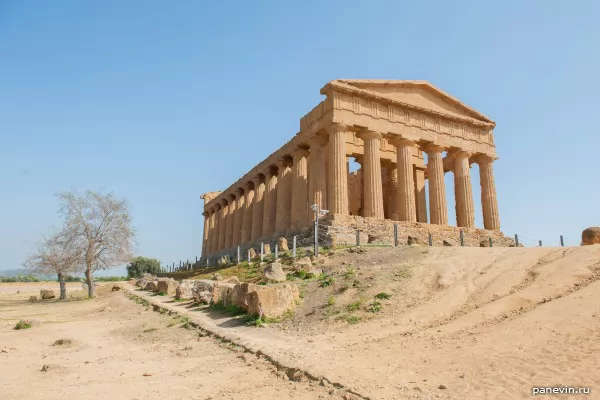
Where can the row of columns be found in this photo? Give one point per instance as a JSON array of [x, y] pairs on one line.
[[278, 200]]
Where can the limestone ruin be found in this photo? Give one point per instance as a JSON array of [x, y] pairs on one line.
[[386, 126]]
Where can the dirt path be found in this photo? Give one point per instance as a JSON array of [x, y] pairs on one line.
[[115, 343]]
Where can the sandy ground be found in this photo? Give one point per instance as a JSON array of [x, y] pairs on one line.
[[33, 288], [115, 343], [462, 323]]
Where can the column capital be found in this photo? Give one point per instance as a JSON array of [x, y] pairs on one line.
[[317, 140], [240, 191], [400, 141], [271, 171], [433, 148], [482, 159], [460, 154], [233, 195], [300, 152], [335, 127], [283, 163], [366, 134], [224, 202], [258, 179]]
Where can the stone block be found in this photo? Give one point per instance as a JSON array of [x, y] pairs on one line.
[[47, 294], [253, 254], [221, 293], [185, 289], [590, 236], [167, 285], [202, 290], [274, 273], [282, 244], [272, 301], [239, 293], [151, 286]]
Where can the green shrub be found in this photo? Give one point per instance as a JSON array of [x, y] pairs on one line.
[[140, 265], [22, 324], [326, 281], [354, 306], [383, 296], [331, 301], [374, 307]]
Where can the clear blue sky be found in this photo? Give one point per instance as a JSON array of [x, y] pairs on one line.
[[160, 101]]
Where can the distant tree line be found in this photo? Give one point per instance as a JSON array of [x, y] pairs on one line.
[[20, 278]]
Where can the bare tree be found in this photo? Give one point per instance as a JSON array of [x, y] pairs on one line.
[[58, 253], [101, 226]]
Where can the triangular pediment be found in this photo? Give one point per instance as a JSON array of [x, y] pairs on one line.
[[419, 94]]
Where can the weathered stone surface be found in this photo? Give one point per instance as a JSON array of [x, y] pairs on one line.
[[200, 290], [375, 239], [253, 254], [47, 294], [413, 240], [33, 299], [590, 236], [274, 273], [203, 297], [303, 263], [232, 279], [217, 277], [221, 293], [267, 248], [151, 286], [282, 244], [484, 243], [185, 289], [238, 295], [144, 279], [274, 301], [167, 285], [447, 243]]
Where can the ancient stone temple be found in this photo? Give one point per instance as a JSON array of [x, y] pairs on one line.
[[387, 127]]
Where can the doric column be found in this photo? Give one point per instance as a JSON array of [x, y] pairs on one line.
[[258, 207], [230, 220], [205, 233], [438, 209], [283, 209], [270, 203], [373, 189], [465, 214], [360, 161], [317, 174], [212, 232], [239, 218], [338, 177], [489, 203], [246, 235], [222, 224], [406, 186], [420, 198], [392, 171], [300, 203]]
